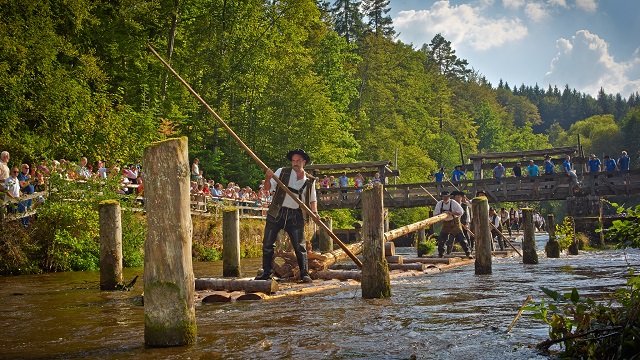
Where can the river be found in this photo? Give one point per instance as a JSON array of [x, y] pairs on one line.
[[453, 314]]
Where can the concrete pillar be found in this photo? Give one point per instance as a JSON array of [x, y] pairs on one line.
[[529, 254], [231, 242], [552, 248], [169, 286], [325, 242], [375, 270], [110, 245], [482, 230]]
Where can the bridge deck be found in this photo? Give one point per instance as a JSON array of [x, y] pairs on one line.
[[523, 189]]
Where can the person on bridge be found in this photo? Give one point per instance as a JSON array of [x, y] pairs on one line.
[[517, 170], [285, 213], [548, 165], [533, 169], [568, 169], [624, 161], [453, 227], [439, 176], [498, 172], [344, 184], [458, 174], [594, 164]]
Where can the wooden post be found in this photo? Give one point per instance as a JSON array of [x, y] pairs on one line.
[[480, 210], [231, 242], [169, 286], [552, 248], [422, 236], [110, 245], [375, 271], [529, 254], [574, 248], [325, 243], [386, 220], [477, 169]]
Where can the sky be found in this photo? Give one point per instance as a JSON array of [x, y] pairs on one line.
[[586, 44]]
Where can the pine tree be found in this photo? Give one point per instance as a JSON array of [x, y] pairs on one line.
[[379, 22], [348, 19]]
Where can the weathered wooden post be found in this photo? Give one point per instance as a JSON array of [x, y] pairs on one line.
[[480, 209], [422, 236], [169, 314], [587, 216], [110, 245], [375, 271], [386, 220], [231, 242], [574, 248], [529, 254], [325, 242], [552, 247]]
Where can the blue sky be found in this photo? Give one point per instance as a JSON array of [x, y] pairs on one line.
[[587, 44]]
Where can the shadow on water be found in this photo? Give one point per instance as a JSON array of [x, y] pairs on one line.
[[454, 314]]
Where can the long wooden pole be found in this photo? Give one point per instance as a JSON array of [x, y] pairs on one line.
[[257, 159], [396, 233]]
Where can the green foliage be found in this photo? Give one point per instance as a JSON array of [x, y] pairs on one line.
[[427, 246], [341, 218], [589, 329], [625, 232], [205, 253], [565, 233], [134, 234]]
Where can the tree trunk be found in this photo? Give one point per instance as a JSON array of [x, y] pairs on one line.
[[267, 287]]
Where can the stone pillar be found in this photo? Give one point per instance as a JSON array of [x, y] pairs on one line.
[[110, 245], [422, 236], [529, 254], [169, 286], [482, 230], [375, 270], [325, 242], [552, 248], [231, 242], [587, 214]]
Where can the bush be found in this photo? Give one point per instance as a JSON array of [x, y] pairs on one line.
[[565, 235], [427, 246]]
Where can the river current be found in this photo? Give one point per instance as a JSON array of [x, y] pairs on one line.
[[450, 315]]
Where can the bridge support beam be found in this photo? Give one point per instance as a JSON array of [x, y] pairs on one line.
[[587, 214], [375, 271]]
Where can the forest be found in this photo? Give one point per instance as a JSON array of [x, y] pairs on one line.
[[331, 77]]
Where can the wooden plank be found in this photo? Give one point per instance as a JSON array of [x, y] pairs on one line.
[[525, 154]]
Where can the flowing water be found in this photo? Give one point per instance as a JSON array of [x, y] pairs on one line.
[[453, 314]]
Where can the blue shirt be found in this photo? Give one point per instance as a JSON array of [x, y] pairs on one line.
[[498, 171], [594, 165], [623, 162], [457, 175], [610, 165], [533, 170], [567, 165], [548, 167], [439, 176], [344, 181], [29, 189]]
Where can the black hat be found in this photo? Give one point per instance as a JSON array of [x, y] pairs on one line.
[[444, 193], [300, 152], [481, 192], [457, 192]]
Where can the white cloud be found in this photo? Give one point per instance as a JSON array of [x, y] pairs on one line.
[[461, 24], [514, 4], [536, 12], [559, 3], [587, 5], [584, 63]]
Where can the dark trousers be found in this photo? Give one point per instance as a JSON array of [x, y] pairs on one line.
[[443, 239], [292, 222]]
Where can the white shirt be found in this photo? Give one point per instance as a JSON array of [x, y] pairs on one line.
[[451, 205], [294, 183], [496, 221], [13, 186]]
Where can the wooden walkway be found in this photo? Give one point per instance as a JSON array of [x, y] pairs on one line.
[[512, 189]]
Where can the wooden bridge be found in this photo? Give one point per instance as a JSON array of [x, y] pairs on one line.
[[512, 189]]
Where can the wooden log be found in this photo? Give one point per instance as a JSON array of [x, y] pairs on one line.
[[248, 285], [480, 210], [396, 233], [325, 243], [327, 259], [341, 275], [434, 260], [110, 245], [254, 296], [407, 267], [217, 298], [375, 272], [552, 248], [169, 311], [396, 259], [389, 249], [231, 242], [529, 253]]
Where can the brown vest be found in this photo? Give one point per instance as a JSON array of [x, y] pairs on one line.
[[278, 197]]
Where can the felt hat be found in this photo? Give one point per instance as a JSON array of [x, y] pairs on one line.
[[457, 192], [445, 193], [300, 152]]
